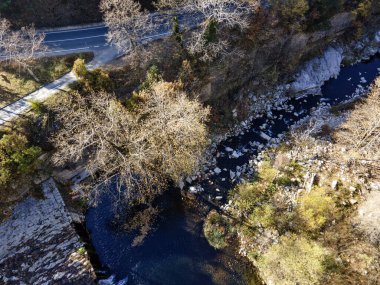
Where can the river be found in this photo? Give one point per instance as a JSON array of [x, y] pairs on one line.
[[176, 252]]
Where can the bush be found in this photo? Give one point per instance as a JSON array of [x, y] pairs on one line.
[[315, 210], [16, 157], [290, 10], [210, 33], [266, 172], [294, 260], [98, 80], [248, 196], [79, 68], [264, 216], [95, 80], [363, 10], [37, 107], [152, 76], [176, 32], [216, 230]]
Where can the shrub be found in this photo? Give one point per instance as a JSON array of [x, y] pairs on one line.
[[210, 33], [263, 215], [152, 76], [283, 180], [38, 107], [294, 260], [16, 157], [247, 196], [81, 250], [79, 68], [315, 210], [216, 230], [176, 32], [363, 9], [266, 172], [98, 80], [95, 80], [290, 10]]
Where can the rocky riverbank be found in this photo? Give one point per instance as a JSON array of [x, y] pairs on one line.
[[333, 174], [276, 107]]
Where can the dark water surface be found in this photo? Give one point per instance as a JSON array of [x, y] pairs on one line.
[[176, 252]]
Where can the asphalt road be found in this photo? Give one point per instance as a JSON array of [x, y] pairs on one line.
[[76, 39], [92, 38]]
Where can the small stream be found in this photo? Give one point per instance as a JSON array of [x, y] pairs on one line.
[[176, 252]]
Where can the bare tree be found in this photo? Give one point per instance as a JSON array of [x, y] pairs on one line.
[[127, 23], [208, 41], [171, 4], [360, 134], [228, 13], [161, 138], [20, 46], [206, 49]]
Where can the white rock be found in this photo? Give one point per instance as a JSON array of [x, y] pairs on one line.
[[374, 186], [334, 183], [318, 70], [265, 136], [232, 174], [193, 189], [236, 154], [353, 201], [217, 170], [377, 37], [228, 149]]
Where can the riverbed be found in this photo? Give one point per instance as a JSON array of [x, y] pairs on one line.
[[176, 252]]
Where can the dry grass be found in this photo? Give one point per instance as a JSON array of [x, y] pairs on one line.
[[16, 82]]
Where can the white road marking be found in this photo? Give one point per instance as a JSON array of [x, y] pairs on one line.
[[64, 50], [75, 39], [75, 30]]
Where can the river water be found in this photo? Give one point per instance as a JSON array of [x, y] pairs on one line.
[[176, 252]]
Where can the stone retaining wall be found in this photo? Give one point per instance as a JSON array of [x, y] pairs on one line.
[[39, 245]]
